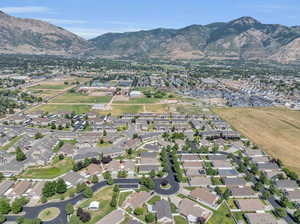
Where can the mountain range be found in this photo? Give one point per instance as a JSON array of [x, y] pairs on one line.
[[243, 38]]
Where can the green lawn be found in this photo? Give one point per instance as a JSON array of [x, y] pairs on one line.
[[54, 108], [123, 196], [221, 216], [50, 172], [104, 197], [143, 100], [80, 98], [48, 214], [121, 109], [154, 199], [180, 220]]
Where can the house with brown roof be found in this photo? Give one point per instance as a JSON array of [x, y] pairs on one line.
[[20, 189], [67, 149], [137, 199], [250, 205], [193, 211], [192, 164], [200, 181], [93, 169], [205, 196]]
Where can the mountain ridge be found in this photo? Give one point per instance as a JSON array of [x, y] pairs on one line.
[[244, 38]]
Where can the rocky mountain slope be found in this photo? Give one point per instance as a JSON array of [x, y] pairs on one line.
[[29, 36], [243, 38]]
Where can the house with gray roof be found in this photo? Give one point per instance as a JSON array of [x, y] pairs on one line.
[[5, 186], [288, 185], [163, 212], [72, 178]]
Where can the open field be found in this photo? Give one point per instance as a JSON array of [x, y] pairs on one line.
[[275, 130], [50, 85], [142, 100], [80, 98], [49, 172], [54, 108], [158, 108], [121, 109]]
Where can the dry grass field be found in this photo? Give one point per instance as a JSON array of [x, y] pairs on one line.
[[275, 130]]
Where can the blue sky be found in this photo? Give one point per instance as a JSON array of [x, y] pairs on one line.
[[90, 18]]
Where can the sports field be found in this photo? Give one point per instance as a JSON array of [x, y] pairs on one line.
[[275, 130]]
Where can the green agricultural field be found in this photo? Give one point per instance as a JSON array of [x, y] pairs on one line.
[[54, 108], [49, 172], [80, 98]]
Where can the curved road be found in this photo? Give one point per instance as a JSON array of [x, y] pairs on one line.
[[33, 212]]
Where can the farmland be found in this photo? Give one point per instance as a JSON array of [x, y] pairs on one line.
[[275, 130]]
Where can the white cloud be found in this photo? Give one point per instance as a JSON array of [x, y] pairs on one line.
[[89, 33], [25, 9], [63, 21]]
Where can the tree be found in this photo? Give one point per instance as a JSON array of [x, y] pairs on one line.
[[2, 218], [20, 156], [49, 189], [38, 135], [297, 215], [16, 207], [61, 186], [4, 206], [83, 216], [152, 173], [95, 179], [150, 218], [69, 209], [139, 211], [226, 194], [280, 212], [116, 188], [80, 187], [266, 195], [88, 192], [75, 220]]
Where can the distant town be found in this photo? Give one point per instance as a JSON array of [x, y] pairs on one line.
[[103, 141]]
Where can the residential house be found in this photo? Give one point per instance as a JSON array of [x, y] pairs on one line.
[[205, 196], [137, 199], [250, 205], [163, 212], [115, 217], [259, 218], [193, 211]]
